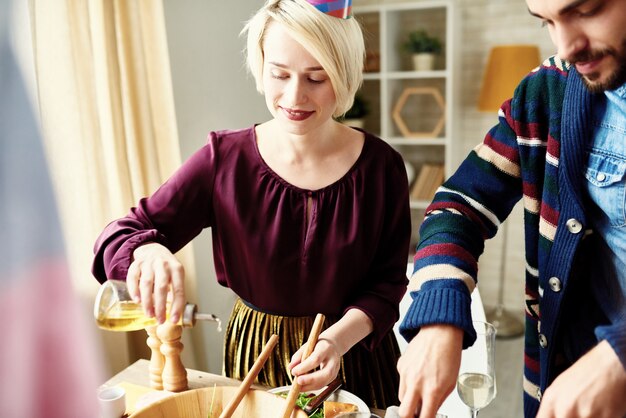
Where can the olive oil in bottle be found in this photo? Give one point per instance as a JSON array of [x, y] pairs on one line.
[[115, 310]]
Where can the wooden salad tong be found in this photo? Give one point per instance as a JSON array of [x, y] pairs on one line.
[[311, 342], [228, 411]]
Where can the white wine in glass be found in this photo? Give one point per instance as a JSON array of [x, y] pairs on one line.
[[476, 383], [476, 389]]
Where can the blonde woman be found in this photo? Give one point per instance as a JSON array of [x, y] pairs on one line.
[[307, 216]]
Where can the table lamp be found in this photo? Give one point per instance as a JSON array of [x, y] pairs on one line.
[[506, 66]]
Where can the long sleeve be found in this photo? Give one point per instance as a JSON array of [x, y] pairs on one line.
[[466, 211], [172, 216], [615, 334], [385, 282]]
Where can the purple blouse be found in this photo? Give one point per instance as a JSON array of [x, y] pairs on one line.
[[352, 254]]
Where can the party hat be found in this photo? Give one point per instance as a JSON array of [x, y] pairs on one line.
[[336, 8]]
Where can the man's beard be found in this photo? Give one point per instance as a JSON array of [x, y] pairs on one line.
[[614, 80]]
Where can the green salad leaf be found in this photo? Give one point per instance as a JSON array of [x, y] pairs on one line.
[[303, 400]]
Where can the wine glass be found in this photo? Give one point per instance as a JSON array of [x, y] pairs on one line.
[[476, 383]]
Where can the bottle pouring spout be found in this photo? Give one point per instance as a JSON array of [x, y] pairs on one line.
[[191, 315]]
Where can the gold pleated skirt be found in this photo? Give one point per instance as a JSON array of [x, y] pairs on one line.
[[371, 375]]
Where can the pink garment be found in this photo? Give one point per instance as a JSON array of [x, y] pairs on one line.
[[48, 364]]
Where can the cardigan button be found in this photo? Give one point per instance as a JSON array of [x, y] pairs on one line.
[[543, 341], [555, 284], [574, 226]]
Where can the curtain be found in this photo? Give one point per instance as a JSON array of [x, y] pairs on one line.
[[108, 120]]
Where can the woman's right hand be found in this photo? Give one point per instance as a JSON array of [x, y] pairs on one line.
[[428, 370], [153, 274]]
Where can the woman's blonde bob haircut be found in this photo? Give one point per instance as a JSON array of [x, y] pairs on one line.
[[337, 44]]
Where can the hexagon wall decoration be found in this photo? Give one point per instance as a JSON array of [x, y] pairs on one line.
[[403, 100]]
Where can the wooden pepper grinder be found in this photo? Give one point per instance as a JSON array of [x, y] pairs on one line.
[[157, 360], [174, 374]]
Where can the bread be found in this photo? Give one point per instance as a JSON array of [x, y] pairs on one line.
[[332, 409]]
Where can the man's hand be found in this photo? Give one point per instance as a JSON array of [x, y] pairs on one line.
[[428, 370], [594, 386]]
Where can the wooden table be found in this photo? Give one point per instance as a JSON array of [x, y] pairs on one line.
[[138, 374]]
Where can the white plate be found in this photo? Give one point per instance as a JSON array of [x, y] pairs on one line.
[[339, 396]]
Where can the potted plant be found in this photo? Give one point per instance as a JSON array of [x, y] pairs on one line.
[[424, 48], [355, 115]]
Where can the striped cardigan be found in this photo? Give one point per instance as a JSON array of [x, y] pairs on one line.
[[535, 153]]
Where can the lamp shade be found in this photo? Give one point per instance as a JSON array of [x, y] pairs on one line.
[[506, 66]]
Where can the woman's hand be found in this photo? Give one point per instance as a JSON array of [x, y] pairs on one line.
[[594, 386], [154, 272], [428, 370], [325, 355], [331, 345]]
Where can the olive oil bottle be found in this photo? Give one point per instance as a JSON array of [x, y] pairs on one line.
[[115, 310]]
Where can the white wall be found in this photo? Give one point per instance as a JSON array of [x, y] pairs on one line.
[[213, 91]]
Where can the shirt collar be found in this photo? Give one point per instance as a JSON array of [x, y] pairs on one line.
[[619, 92]]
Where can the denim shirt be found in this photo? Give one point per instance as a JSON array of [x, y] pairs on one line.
[[606, 184]]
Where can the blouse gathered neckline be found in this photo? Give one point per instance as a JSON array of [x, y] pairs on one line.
[[345, 177]]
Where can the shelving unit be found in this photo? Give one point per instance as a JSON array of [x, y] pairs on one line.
[[419, 99]]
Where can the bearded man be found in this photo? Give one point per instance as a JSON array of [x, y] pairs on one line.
[[560, 145]]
